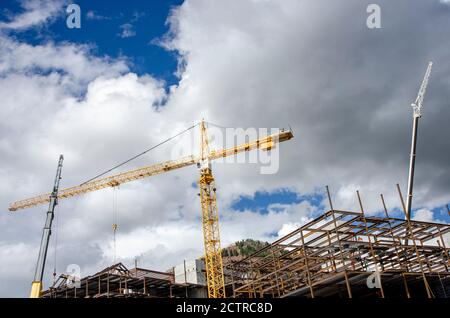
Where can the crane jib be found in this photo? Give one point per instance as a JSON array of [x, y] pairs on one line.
[[265, 143]]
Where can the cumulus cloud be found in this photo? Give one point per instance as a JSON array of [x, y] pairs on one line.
[[15, 276], [74, 62], [35, 13], [344, 89]]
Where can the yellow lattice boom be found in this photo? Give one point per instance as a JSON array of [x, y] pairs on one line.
[[210, 217], [148, 171]]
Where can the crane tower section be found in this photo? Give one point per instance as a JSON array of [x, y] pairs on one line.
[[210, 222]]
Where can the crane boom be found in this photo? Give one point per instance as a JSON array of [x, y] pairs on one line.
[[265, 143], [417, 108], [417, 105], [36, 286]]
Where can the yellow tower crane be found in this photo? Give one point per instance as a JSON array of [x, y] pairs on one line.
[[210, 218]]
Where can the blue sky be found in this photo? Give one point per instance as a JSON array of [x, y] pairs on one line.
[[345, 90], [102, 25], [261, 200]]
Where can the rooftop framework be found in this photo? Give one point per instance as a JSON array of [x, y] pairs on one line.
[[118, 281], [335, 254], [340, 253]]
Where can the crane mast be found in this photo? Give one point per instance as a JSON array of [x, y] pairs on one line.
[[36, 286], [210, 222], [210, 218], [417, 113]]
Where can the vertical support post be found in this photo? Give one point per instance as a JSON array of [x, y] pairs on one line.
[[406, 214], [107, 285], [232, 272], [145, 287], [185, 274], [405, 283], [332, 261], [275, 266], [185, 278], [347, 283], [305, 254], [444, 248], [370, 242], [409, 229], [394, 243]]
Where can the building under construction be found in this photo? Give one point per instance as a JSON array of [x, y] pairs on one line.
[[338, 254], [346, 254], [118, 281]]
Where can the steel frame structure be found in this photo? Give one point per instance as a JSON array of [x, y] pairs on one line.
[[334, 255], [117, 281]]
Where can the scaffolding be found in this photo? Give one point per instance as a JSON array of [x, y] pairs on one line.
[[119, 282], [349, 254]]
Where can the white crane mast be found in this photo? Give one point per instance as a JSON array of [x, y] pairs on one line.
[[417, 108]]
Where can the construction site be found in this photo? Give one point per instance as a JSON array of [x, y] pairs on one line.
[[332, 256], [345, 254]]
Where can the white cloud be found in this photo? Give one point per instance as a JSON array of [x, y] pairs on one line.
[[288, 228], [127, 30], [282, 66], [36, 13], [74, 64], [16, 275], [424, 215], [92, 15]]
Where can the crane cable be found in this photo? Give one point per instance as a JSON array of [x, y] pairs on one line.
[[115, 219], [140, 154], [115, 188]]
